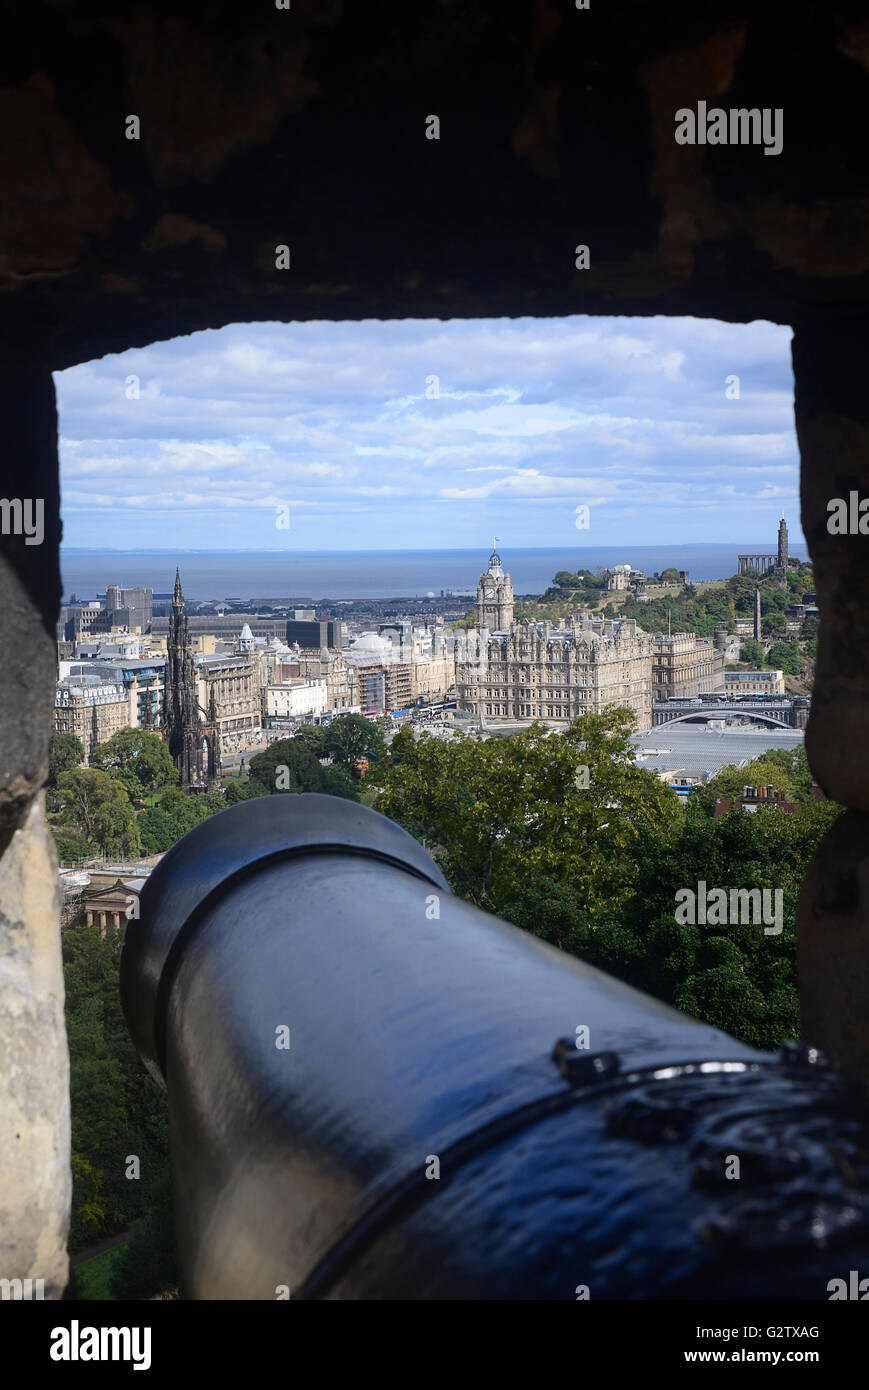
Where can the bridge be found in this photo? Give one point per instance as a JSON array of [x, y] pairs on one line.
[[781, 713]]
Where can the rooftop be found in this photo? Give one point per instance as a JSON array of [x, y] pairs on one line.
[[700, 751]]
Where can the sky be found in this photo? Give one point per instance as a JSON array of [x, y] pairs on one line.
[[429, 434]]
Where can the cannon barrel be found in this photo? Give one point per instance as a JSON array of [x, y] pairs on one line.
[[378, 1091]]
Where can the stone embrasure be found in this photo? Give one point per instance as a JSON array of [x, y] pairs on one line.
[[35, 1181]]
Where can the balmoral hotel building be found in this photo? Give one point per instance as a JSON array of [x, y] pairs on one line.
[[525, 671]]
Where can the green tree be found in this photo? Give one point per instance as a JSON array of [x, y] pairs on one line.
[[116, 1108], [180, 811], [241, 791], [338, 782], [88, 1213], [469, 620], [98, 807], [742, 589], [351, 737], [138, 759], [507, 815], [312, 736], [753, 653], [670, 575], [796, 765], [162, 825], [286, 766], [735, 977], [146, 1264], [595, 868], [207, 804], [65, 752], [785, 656], [156, 833], [729, 781], [72, 847], [401, 749]]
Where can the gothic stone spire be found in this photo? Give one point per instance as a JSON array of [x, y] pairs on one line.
[[182, 728]]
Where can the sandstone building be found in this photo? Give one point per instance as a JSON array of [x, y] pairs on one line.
[[685, 665], [739, 683], [91, 707], [228, 687], [528, 671]]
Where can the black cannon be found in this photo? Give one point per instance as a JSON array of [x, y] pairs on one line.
[[377, 1091]]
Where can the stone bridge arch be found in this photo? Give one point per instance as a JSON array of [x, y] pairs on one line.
[[696, 717]]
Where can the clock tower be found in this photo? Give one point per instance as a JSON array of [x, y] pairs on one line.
[[495, 596]]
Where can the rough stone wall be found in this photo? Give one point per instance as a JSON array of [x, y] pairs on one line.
[[307, 128], [35, 1179], [831, 363]]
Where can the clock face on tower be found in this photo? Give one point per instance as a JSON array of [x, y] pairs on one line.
[[489, 591]]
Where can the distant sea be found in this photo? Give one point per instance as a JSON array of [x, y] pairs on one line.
[[349, 574]]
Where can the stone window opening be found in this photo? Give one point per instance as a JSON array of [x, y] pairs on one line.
[[673, 237]]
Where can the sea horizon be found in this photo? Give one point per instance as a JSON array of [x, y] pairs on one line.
[[323, 574]]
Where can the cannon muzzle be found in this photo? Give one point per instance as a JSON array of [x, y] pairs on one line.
[[377, 1091]]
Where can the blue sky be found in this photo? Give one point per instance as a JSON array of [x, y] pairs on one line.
[[341, 423]]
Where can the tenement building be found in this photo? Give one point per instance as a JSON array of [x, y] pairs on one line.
[[228, 686], [685, 665], [92, 708], [539, 671]]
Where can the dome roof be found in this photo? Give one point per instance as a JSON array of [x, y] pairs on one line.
[[372, 642]]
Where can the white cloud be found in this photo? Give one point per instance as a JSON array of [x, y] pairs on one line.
[[532, 417]]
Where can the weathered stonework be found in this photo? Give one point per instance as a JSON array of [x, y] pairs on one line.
[[35, 1183], [833, 946]]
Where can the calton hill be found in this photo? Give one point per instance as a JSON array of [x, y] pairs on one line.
[[591, 863], [663, 603]]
